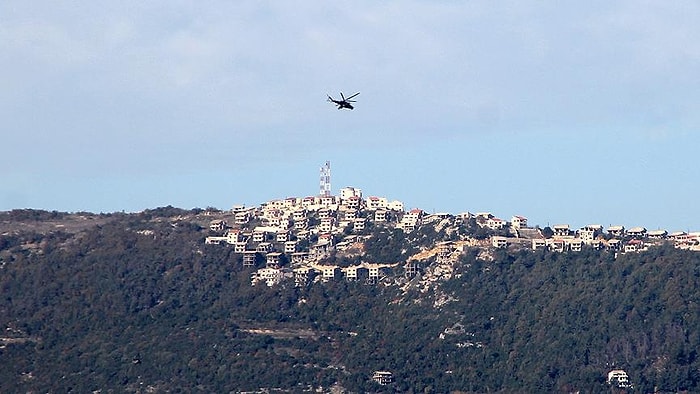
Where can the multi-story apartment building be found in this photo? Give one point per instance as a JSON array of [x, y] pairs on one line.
[[359, 224], [327, 224], [561, 230], [637, 232], [589, 233], [290, 247], [411, 220], [217, 225], [617, 231], [518, 222], [380, 215], [374, 203], [234, 235], [349, 192]]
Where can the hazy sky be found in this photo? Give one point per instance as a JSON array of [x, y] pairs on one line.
[[560, 111]]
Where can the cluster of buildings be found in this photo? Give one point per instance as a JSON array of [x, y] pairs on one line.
[[614, 238], [292, 238]]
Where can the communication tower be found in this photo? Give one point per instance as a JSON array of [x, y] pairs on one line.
[[325, 190]]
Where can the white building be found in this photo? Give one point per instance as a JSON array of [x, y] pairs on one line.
[[395, 206], [326, 225], [499, 242], [271, 276], [217, 225], [383, 377], [617, 231], [234, 236], [589, 233], [374, 203], [518, 222], [213, 240], [618, 378], [495, 223], [561, 230], [347, 192], [639, 232], [380, 215], [411, 219]]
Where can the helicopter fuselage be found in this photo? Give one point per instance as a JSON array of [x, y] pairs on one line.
[[345, 102]]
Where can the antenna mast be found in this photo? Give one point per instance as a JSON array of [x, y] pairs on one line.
[[325, 184]]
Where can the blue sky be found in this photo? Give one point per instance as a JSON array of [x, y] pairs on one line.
[[563, 112]]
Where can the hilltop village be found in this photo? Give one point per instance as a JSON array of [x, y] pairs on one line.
[[323, 237]]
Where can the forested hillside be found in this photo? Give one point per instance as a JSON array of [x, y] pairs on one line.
[[138, 303]]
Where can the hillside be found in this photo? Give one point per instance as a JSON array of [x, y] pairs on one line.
[[139, 303]]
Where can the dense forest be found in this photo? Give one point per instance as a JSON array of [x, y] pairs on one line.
[[138, 303]]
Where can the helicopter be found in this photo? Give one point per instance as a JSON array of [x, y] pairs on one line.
[[345, 102]]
